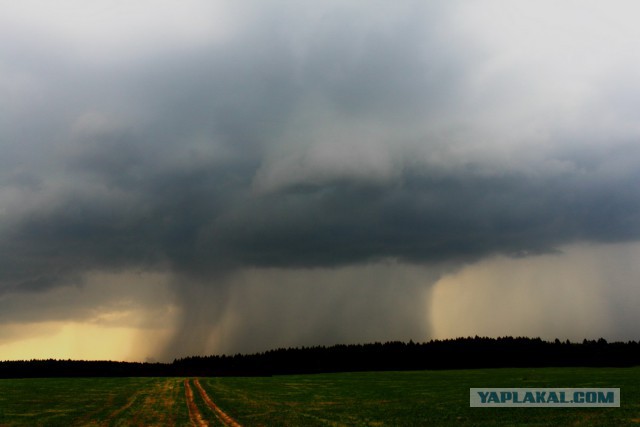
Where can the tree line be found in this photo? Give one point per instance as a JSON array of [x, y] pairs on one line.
[[460, 353]]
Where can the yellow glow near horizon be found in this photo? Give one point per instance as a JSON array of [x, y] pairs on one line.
[[85, 341], [123, 316]]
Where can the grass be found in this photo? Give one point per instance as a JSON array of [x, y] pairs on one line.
[[418, 398], [92, 401], [439, 398]]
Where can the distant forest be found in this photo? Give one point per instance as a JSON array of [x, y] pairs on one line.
[[460, 353]]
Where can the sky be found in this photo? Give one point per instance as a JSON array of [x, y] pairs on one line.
[[198, 177]]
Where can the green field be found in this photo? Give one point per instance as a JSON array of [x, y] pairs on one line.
[[93, 401], [367, 399]]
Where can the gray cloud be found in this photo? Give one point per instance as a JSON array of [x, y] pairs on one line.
[[319, 138]]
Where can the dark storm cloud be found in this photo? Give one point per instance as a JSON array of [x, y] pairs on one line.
[[204, 220], [349, 138]]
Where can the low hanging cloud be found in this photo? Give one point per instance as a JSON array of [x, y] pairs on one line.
[[308, 138]]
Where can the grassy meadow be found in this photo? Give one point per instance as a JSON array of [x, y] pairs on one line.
[[439, 398], [92, 402]]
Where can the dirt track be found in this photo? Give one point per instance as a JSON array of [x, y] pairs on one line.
[[194, 412], [226, 419]]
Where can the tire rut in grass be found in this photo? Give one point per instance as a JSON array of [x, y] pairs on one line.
[[226, 419], [194, 412], [120, 410]]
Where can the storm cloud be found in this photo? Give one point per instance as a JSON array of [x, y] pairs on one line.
[[202, 142]]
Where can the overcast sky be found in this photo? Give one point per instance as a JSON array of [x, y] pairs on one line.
[[216, 176]]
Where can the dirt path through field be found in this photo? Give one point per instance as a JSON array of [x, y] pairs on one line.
[[120, 410], [194, 412], [226, 419]]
